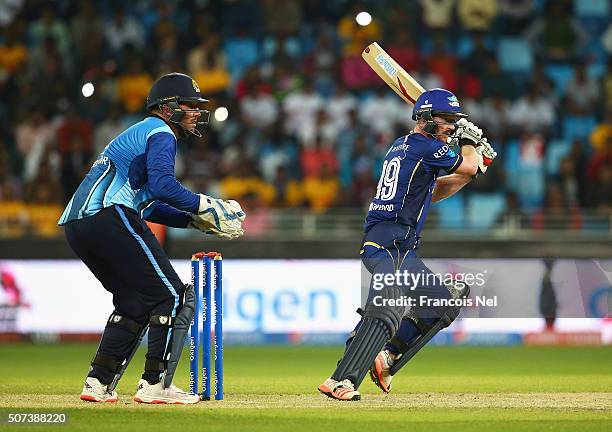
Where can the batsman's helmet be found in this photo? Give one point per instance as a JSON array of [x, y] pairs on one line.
[[174, 88], [433, 102]]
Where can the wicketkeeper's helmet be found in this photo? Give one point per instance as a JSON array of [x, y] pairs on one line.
[[174, 88]]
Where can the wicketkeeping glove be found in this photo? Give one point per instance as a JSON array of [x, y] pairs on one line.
[[222, 218]]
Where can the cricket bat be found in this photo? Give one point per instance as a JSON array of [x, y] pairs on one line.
[[393, 74]]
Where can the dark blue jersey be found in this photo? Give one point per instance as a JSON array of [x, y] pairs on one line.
[[406, 183]]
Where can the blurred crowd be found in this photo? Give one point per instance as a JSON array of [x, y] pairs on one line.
[[308, 122]]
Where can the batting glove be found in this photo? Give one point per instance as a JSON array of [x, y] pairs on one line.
[[486, 154], [467, 130]]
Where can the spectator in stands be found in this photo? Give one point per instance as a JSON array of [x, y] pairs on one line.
[[568, 182], [582, 93], [211, 75], [245, 182], [579, 160], [75, 145], [301, 108], [321, 190], [210, 44], [43, 203], [347, 141], [107, 129], [13, 52], [50, 26], [496, 82], [282, 185], [602, 192], [438, 15], [322, 64], [544, 85], [259, 108], [33, 136], [318, 156], [282, 17], [556, 214], [477, 58], [494, 118], [252, 79], [601, 158], [13, 211], [363, 185], [426, 78], [602, 133], [404, 50], [516, 15], [442, 62], [533, 113], [512, 218], [477, 15], [606, 40], [133, 86], [278, 150], [555, 34], [87, 24], [354, 36], [340, 105], [123, 30], [384, 107]]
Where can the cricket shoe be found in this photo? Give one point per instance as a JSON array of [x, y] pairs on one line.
[[379, 371], [340, 390], [95, 391], [157, 394]]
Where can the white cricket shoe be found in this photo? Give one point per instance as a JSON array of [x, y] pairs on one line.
[[95, 391], [157, 394], [379, 371], [341, 390]]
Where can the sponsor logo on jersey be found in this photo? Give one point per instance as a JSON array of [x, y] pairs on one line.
[[381, 207], [401, 147], [102, 160], [441, 151]]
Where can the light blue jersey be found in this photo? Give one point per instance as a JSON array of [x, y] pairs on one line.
[[134, 170]]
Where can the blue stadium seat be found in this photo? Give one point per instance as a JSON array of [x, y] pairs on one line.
[[556, 151], [483, 209], [592, 8], [596, 70], [451, 211], [530, 185], [515, 55], [511, 156], [561, 74], [241, 53], [270, 47], [578, 127]]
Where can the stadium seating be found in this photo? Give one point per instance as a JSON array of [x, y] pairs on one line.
[[482, 209]]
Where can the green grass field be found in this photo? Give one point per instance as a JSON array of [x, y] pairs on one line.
[[274, 388]]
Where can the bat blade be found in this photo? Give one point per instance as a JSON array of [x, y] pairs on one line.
[[392, 73]]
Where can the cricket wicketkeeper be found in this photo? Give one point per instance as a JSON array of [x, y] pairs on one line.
[[394, 324], [133, 180]]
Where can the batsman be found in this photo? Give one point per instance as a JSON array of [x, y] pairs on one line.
[[400, 315]]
